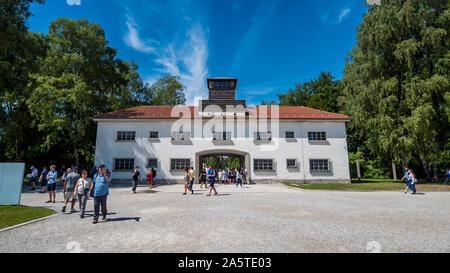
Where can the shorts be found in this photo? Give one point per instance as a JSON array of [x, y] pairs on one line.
[[34, 179], [44, 182], [69, 195], [51, 187]]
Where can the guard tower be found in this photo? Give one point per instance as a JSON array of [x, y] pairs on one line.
[[222, 93]]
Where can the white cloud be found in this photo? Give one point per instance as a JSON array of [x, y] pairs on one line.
[[343, 14], [188, 61], [73, 2], [132, 38]]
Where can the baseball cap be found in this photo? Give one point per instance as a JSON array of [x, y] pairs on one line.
[[32, 167]]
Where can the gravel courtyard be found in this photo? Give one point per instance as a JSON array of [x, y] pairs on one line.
[[256, 218]]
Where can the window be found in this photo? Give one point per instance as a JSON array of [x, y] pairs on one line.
[[181, 136], [124, 164], [319, 165], [221, 85], [152, 163], [222, 136], [263, 136], [179, 164], [154, 135], [126, 135], [291, 163], [320, 136], [263, 164], [289, 135]]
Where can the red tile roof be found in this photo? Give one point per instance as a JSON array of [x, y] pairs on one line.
[[176, 112]]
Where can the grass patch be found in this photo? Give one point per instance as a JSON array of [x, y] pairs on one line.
[[371, 186], [13, 215]]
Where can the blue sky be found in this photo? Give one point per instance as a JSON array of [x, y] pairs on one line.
[[269, 45]]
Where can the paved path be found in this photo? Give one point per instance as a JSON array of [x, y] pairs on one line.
[[256, 218]]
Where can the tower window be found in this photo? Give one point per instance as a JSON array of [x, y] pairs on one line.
[[222, 85]]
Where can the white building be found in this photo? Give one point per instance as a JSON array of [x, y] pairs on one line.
[[275, 143]]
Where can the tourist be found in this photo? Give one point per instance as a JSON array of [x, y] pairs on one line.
[[149, 178], [100, 188], [412, 181], [238, 178], [447, 175], [224, 176], [82, 189], [244, 176], [108, 173], [34, 177], [220, 175], [203, 178], [229, 175], [405, 178], [153, 176], [211, 177], [187, 181], [51, 183], [93, 171], [43, 180], [136, 177], [69, 189], [192, 176]]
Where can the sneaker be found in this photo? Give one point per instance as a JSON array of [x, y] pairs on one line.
[[104, 218], [215, 194], [54, 202], [95, 221], [81, 216], [184, 193], [72, 210], [63, 209], [49, 201], [192, 191]]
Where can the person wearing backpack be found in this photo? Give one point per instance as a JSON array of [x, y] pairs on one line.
[[82, 189]]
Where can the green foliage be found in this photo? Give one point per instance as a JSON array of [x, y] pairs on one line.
[[395, 84], [167, 91], [370, 168]]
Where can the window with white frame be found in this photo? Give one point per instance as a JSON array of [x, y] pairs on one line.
[[263, 164], [263, 136], [317, 136], [126, 135], [178, 136], [152, 163], [291, 163], [319, 165], [222, 136], [154, 135], [178, 164], [124, 164]]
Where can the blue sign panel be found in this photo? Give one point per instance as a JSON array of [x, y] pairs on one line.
[[11, 180]]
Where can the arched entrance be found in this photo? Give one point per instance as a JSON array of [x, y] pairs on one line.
[[221, 154]]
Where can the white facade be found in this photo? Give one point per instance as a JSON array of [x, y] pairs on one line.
[[278, 149]]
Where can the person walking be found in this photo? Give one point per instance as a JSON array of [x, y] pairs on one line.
[[43, 180], [192, 177], [447, 175], [203, 175], [51, 183], [100, 192], [153, 176], [224, 176], [412, 181], [244, 176], [187, 181], [212, 178], [238, 178], [69, 189], [405, 178], [82, 189], [149, 178], [34, 177], [136, 177]]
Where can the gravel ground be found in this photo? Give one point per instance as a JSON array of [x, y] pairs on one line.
[[256, 218]]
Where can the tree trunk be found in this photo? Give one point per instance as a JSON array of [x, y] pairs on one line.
[[394, 170], [425, 164], [435, 171], [358, 170], [75, 152]]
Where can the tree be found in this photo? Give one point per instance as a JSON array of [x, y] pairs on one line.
[[19, 50], [320, 93], [395, 83], [79, 78], [167, 91]]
